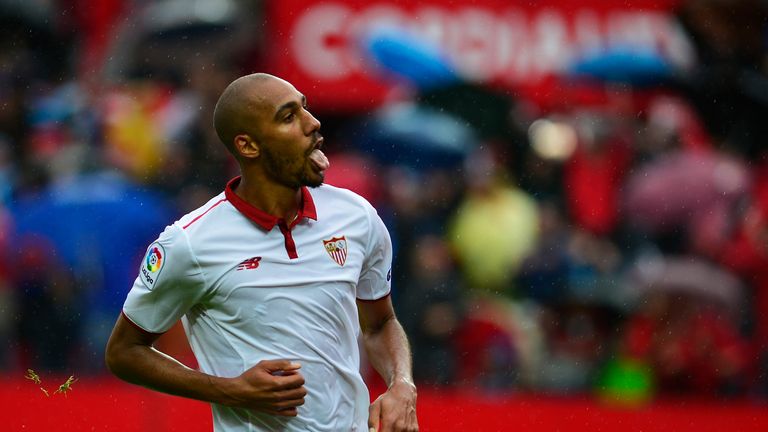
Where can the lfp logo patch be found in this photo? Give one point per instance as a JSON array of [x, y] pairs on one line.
[[152, 264], [155, 259]]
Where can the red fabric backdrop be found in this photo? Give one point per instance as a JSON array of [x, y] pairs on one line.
[[109, 405]]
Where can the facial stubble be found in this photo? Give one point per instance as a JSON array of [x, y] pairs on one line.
[[279, 168]]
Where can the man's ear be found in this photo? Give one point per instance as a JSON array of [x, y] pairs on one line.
[[246, 146]]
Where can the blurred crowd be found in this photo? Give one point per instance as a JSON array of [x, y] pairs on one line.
[[618, 249]]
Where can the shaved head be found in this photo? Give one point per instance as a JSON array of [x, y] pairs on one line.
[[233, 114]]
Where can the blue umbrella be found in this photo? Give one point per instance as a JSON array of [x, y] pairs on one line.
[[408, 56], [415, 136], [99, 225], [623, 65]]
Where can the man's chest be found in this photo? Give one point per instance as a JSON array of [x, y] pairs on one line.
[[253, 283], [253, 259]]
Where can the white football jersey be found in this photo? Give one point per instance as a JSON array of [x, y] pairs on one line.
[[249, 287]]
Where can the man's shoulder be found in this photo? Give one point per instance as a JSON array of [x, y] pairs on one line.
[[201, 215], [336, 196]]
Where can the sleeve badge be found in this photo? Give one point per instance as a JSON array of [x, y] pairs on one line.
[[152, 265]]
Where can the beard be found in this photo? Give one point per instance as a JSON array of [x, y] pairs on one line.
[[292, 173], [307, 180]]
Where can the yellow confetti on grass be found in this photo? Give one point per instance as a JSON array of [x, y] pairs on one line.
[[63, 389], [32, 376], [35, 378], [67, 386]]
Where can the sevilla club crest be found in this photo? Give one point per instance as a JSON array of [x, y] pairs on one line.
[[337, 249]]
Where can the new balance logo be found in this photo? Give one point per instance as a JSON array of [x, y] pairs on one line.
[[249, 264]]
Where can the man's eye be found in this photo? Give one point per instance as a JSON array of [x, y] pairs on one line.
[[289, 118]]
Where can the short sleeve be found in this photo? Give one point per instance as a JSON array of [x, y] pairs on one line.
[[376, 276], [169, 283]]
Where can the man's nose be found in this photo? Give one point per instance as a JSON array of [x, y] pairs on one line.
[[313, 124]]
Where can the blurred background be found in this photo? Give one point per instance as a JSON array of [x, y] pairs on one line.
[[577, 192]]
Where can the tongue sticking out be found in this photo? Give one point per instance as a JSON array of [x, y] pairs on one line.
[[318, 158]]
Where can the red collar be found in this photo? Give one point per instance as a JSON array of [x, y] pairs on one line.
[[264, 219]]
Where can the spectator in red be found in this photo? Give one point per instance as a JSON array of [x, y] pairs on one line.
[[593, 176], [689, 350], [746, 253]]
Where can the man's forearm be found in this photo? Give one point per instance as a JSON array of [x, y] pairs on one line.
[[148, 367], [130, 356], [389, 352]]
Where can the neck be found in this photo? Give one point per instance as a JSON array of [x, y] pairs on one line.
[[280, 201]]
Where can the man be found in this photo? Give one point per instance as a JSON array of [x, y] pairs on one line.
[[269, 277]]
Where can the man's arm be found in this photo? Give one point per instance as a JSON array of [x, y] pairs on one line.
[[131, 357], [389, 353]]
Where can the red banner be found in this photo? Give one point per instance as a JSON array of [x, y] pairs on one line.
[[108, 405], [317, 44]]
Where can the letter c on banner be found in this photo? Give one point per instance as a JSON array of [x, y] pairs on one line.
[[320, 42]]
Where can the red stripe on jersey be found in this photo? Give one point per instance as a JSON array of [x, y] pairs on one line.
[[267, 221], [203, 214], [290, 245], [263, 219], [375, 300], [136, 326]]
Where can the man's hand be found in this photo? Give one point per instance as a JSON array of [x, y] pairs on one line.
[[395, 410], [272, 386]]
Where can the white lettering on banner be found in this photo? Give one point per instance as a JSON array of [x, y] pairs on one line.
[[513, 57], [318, 42], [550, 46], [431, 24], [586, 30], [476, 43], [512, 45], [371, 19]]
